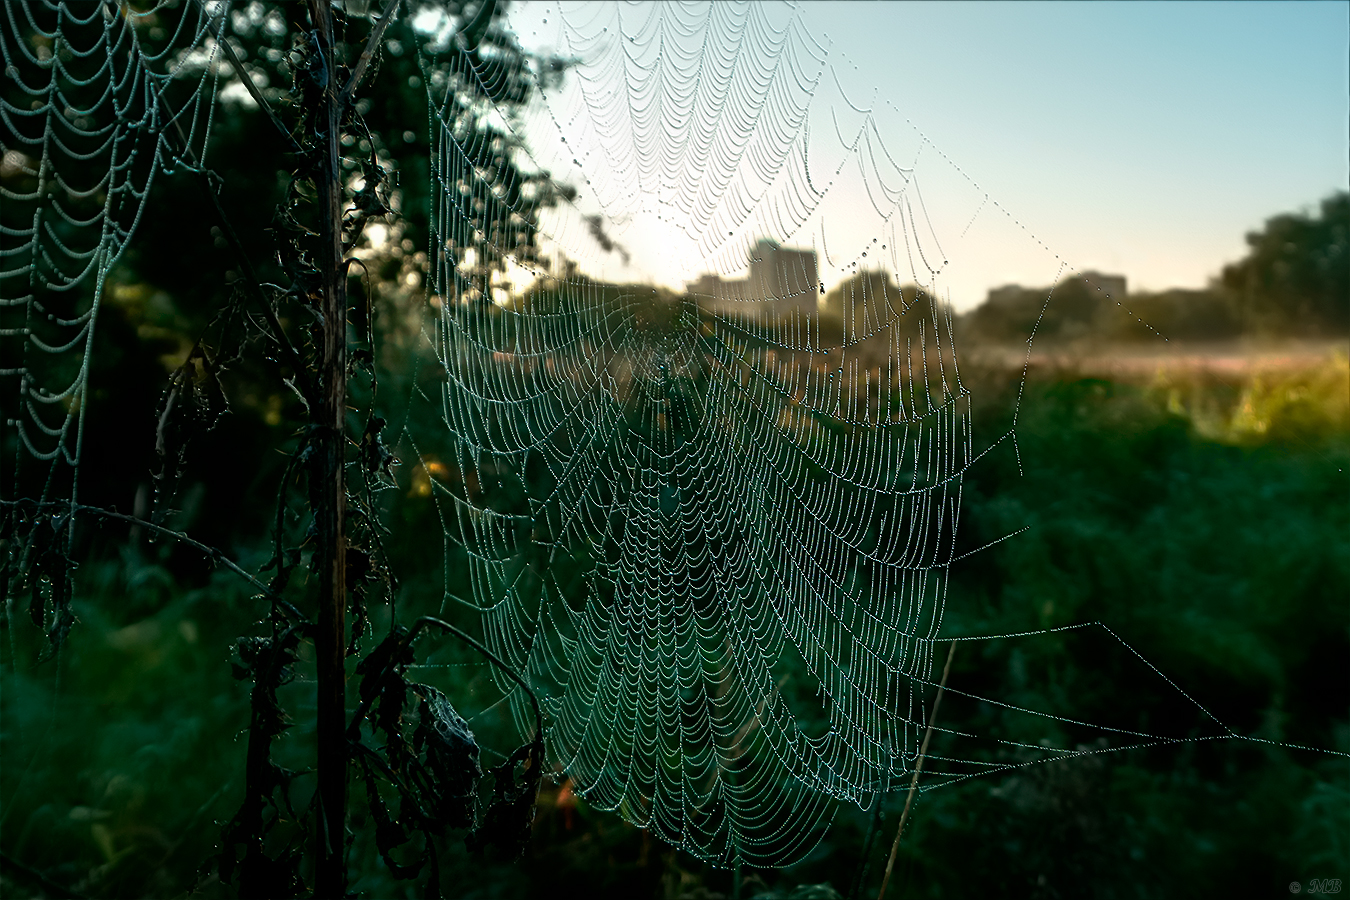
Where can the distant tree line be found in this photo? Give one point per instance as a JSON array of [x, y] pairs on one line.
[[1293, 282]]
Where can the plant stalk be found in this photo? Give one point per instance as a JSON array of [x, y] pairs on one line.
[[330, 876], [918, 767]]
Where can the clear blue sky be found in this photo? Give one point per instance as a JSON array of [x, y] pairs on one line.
[[1140, 138]]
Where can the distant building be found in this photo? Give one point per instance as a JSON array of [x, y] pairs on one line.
[[1103, 286], [781, 279]]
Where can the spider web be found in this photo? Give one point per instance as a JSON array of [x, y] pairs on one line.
[[712, 526], [705, 508], [87, 127]]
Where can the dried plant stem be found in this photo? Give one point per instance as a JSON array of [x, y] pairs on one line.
[[918, 767], [330, 493], [371, 48]]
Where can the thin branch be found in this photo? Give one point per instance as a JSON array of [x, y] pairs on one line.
[[918, 767], [406, 794], [368, 53], [279, 553], [273, 323], [252, 88], [213, 552], [494, 658], [250, 273], [861, 875], [353, 728]]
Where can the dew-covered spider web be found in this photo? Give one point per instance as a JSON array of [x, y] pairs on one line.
[[705, 503], [95, 104], [697, 450]]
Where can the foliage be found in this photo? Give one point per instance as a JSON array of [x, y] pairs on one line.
[[1296, 275], [1294, 281], [1221, 557], [856, 308], [1068, 311], [247, 346], [1223, 564]]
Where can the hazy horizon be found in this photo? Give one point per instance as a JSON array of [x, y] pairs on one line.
[[1143, 140]]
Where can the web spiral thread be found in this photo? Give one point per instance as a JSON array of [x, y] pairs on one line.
[[711, 526]]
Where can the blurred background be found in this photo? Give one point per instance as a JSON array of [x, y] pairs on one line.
[[1179, 469]]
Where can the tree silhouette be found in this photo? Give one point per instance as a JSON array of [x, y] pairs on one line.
[[1296, 275]]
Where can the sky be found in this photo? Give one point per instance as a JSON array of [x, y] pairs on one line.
[[1143, 139]]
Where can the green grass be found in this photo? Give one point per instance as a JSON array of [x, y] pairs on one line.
[[1217, 549]]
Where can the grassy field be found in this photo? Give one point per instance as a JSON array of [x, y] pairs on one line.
[[1198, 511]]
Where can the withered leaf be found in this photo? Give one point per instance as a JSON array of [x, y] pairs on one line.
[[391, 653], [449, 757], [506, 826]]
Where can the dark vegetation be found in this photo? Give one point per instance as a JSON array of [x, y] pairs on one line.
[[271, 338], [1203, 520], [1221, 558], [1294, 282]]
